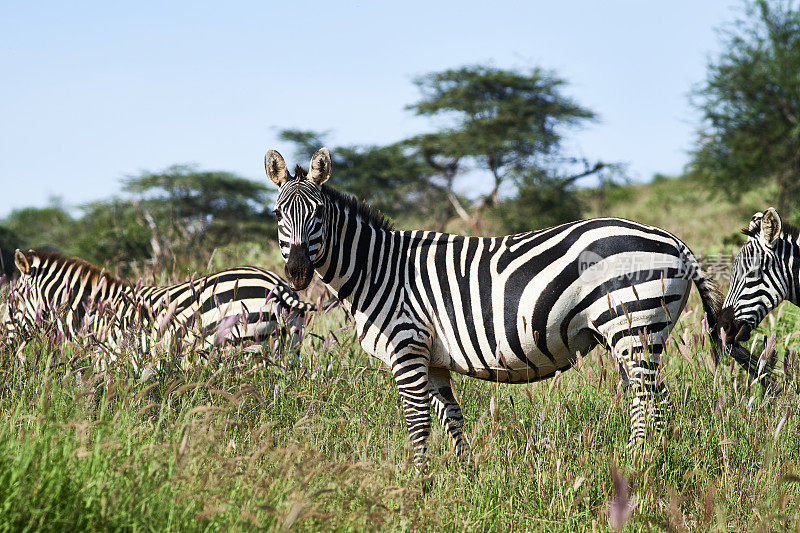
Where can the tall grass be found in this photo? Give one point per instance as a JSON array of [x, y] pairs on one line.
[[317, 441]]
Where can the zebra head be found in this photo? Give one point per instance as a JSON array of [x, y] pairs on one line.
[[23, 302], [759, 278], [300, 210]]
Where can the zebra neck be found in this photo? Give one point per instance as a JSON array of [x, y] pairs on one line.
[[357, 254], [790, 254]]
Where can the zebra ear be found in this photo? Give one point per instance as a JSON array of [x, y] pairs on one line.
[[22, 262], [320, 169], [276, 167], [770, 226]]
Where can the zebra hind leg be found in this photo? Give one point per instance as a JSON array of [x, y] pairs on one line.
[[449, 412], [649, 397]]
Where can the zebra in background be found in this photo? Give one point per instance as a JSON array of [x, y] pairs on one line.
[[7, 266], [516, 309], [237, 304], [765, 272]]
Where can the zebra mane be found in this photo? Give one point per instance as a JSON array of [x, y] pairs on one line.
[[95, 273], [361, 208]]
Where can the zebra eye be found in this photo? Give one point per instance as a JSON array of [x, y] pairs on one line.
[[277, 215]]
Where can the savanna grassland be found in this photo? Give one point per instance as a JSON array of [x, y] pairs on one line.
[[317, 440]]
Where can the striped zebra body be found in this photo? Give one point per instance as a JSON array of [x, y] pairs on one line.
[[766, 271], [258, 299], [516, 309], [238, 304]]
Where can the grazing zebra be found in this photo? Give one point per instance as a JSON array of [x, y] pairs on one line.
[[515, 309], [765, 272], [238, 304]]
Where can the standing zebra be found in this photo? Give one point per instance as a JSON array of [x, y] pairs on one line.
[[237, 304], [514, 309], [765, 272]]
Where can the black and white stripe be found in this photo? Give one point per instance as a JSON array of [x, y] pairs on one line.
[[765, 272], [516, 309], [233, 305]]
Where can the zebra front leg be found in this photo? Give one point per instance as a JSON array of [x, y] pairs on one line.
[[410, 372], [448, 411]]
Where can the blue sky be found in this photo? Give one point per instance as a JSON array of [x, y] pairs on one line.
[[94, 91]]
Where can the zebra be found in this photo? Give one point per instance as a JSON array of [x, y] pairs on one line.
[[516, 309], [765, 272], [237, 304], [7, 267]]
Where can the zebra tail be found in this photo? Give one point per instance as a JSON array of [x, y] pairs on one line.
[[712, 299], [291, 300]]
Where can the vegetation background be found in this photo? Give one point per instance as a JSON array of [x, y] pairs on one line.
[[316, 440]]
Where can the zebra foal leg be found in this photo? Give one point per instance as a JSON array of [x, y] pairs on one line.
[[448, 411]]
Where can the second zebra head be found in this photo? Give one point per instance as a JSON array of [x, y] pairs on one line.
[[763, 275]]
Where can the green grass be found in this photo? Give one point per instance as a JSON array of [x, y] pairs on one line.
[[318, 442]]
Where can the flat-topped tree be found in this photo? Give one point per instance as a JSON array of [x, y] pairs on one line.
[[188, 209], [502, 121]]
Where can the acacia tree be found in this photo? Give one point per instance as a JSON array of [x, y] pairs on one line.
[[185, 208], [750, 102], [111, 230], [506, 122]]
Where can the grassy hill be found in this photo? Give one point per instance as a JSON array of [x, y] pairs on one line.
[[707, 222]]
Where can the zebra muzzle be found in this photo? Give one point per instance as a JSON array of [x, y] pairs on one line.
[[733, 330], [726, 324], [299, 268]]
